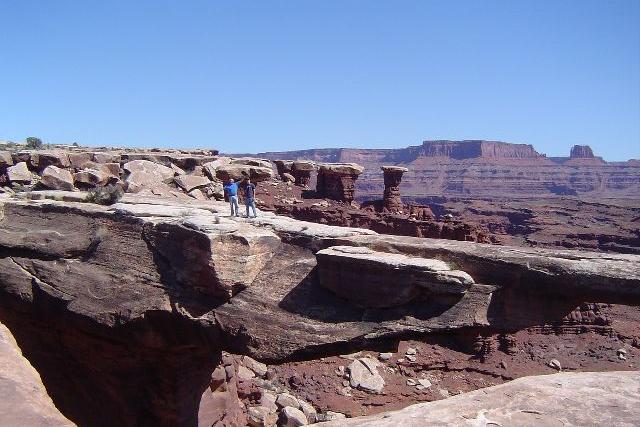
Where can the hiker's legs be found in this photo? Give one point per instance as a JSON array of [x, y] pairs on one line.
[[235, 209], [252, 203]]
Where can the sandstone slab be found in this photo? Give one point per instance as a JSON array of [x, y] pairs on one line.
[[57, 179], [191, 182], [376, 279], [567, 399], [19, 173]]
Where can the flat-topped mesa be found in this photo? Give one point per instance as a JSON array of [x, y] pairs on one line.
[[392, 178], [581, 152], [478, 149], [301, 171], [337, 180]]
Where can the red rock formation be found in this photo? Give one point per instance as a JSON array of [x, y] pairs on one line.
[[283, 166], [392, 178], [483, 169], [337, 181], [581, 151], [301, 171]]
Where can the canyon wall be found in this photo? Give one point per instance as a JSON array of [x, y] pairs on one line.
[[484, 169], [126, 327]]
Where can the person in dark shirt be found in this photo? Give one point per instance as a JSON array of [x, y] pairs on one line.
[[249, 197], [232, 191]]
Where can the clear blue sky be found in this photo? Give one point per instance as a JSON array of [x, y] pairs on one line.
[[249, 76]]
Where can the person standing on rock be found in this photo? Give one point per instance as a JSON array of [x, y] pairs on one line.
[[232, 191], [249, 197]]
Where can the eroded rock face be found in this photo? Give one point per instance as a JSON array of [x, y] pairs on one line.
[[581, 151], [392, 178], [482, 169], [537, 400], [25, 401], [301, 171], [337, 181], [140, 298], [283, 166]]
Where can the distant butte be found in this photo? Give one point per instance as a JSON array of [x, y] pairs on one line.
[[481, 169]]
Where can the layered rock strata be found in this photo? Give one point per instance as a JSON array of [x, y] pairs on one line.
[[392, 178], [140, 298], [337, 181], [301, 171], [362, 276], [484, 169]]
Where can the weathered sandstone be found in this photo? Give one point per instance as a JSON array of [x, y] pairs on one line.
[[19, 173], [568, 399], [141, 297], [337, 180], [482, 169], [363, 276], [301, 171], [57, 179], [24, 401], [392, 178]]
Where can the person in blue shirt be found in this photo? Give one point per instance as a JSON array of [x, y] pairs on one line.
[[232, 191], [249, 197]]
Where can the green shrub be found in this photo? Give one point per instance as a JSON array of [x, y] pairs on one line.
[[107, 195]]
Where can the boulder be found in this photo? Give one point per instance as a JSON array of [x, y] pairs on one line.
[[19, 173], [106, 157], [286, 399], [191, 182], [239, 172], [259, 416], [287, 177], [24, 401], [90, 178], [39, 160], [210, 168], [111, 169], [5, 160], [57, 179], [364, 375], [145, 174], [197, 194], [79, 160], [250, 161], [177, 170], [370, 278], [259, 368], [293, 417]]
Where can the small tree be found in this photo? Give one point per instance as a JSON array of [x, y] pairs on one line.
[[33, 142]]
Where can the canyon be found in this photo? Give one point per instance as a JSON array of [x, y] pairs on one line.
[[482, 169], [138, 299]]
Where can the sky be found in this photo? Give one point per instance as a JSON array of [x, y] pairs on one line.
[[268, 75]]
